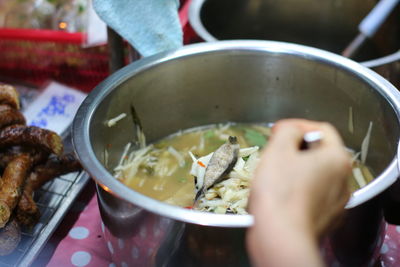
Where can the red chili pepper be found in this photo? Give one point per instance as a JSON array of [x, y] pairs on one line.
[[189, 207], [201, 164]]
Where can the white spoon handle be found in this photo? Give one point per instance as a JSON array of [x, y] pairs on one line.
[[371, 23]]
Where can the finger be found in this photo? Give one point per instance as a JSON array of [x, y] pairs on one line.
[[286, 135], [331, 145], [303, 124], [331, 136], [293, 137]]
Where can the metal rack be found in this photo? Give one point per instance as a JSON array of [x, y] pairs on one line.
[[53, 200]]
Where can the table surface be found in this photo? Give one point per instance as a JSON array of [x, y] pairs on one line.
[[79, 241]]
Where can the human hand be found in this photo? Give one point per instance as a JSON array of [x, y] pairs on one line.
[[301, 192]]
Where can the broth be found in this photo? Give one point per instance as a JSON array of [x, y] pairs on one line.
[[162, 170]]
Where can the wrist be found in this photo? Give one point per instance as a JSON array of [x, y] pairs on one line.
[[281, 244], [285, 238], [289, 213]]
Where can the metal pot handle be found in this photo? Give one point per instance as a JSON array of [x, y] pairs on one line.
[[391, 197], [382, 61]]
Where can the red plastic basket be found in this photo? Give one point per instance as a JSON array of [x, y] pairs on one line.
[[36, 56]]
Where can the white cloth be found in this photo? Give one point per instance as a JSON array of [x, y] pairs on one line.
[[150, 26]]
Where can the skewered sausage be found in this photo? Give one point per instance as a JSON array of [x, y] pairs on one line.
[[10, 116], [22, 148], [37, 156], [31, 136], [27, 211], [13, 180], [9, 96]]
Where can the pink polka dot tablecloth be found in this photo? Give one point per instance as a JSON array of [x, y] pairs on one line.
[[79, 240], [84, 244]]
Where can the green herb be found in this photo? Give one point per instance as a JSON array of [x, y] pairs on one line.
[[182, 180], [246, 158], [149, 170], [209, 134], [160, 145], [81, 8], [255, 138]]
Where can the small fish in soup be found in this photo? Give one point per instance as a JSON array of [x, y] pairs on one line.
[[174, 169], [220, 164]]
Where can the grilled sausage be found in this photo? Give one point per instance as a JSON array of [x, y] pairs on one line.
[[27, 212], [31, 136], [9, 96], [14, 177], [37, 156], [10, 116]]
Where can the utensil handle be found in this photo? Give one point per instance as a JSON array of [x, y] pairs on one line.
[[382, 61], [311, 139], [371, 23]]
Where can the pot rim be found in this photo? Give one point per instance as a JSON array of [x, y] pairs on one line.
[[85, 153], [199, 28], [195, 21]]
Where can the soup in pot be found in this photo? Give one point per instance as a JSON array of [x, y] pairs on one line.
[[173, 169]]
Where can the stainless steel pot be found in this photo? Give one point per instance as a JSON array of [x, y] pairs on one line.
[[329, 24], [243, 81]]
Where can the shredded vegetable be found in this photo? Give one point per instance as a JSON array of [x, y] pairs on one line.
[[230, 195], [365, 144], [113, 121], [351, 123], [359, 177], [177, 155]]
